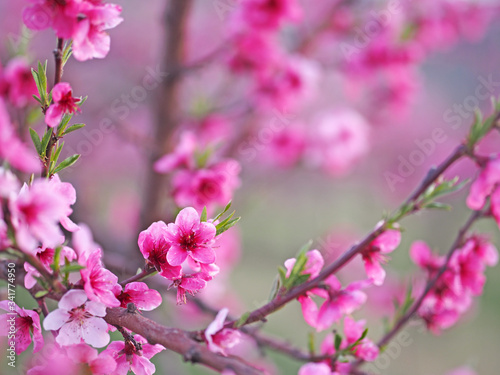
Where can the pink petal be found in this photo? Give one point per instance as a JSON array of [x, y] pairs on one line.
[[328, 314], [69, 334], [374, 271], [187, 219], [315, 369], [204, 255], [94, 332], [56, 319], [176, 256], [309, 310], [53, 115]]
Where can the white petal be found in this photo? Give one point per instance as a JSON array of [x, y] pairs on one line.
[[96, 308], [69, 334], [55, 320], [94, 332], [72, 299]]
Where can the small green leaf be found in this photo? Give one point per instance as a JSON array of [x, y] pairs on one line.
[[55, 155], [45, 141], [275, 288], [242, 320], [438, 206], [228, 206], [72, 268], [36, 141], [68, 162], [72, 128], [203, 216], [338, 341], [310, 343], [41, 293], [226, 226]]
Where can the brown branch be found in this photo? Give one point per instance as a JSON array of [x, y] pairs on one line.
[[141, 275], [281, 300], [178, 341], [457, 243], [167, 108]]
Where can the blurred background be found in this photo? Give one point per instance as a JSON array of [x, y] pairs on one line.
[[282, 208]]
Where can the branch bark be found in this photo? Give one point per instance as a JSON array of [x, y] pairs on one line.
[[167, 108]]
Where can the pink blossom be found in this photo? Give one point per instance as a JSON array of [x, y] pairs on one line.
[[312, 267], [89, 37], [56, 363], [182, 156], [129, 358], [68, 192], [286, 147], [217, 337], [36, 212], [292, 84], [98, 281], [191, 284], [340, 302], [78, 319], [46, 257], [12, 149], [9, 184], [63, 102], [51, 13], [27, 324], [269, 14], [97, 364], [385, 243], [353, 331], [154, 246], [340, 139], [315, 369], [20, 83], [139, 294], [190, 237], [83, 243], [207, 186]]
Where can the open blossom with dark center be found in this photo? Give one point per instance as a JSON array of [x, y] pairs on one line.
[[63, 102], [269, 14], [217, 337], [154, 247], [78, 319], [130, 358], [27, 324], [139, 294], [190, 238], [98, 281], [375, 254], [191, 284]]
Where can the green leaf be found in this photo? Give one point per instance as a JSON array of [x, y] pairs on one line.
[[310, 343], [222, 228], [282, 274], [438, 206], [57, 258], [338, 341], [68, 162], [41, 293], [72, 128], [55, 155], [203, 216], [67, 52], [275, 288], [62, 125], [72, 268], [45, 141], [228, 206], [36, 141], [241, 321]]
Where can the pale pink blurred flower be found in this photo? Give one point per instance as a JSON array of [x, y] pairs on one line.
[[385, 243], [63, 102], [68, 192], [20, 83], [182, 156], [286, 147], [292, 84], [9, 184], [315, 369], [58, 363], [190, 238], [83, 243], [268, 14], [339, 140], [98, 281], [462, 371], [78, 319], [154, 247], [365, 349], [12, 149], [36, 212], [139, 294], [207, 186], [97, 364], [217, 337], [46, 257], [27, 324], [128, 358]]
